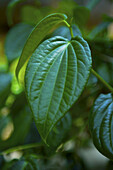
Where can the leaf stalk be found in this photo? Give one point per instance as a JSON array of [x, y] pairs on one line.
[[102, 80], [70, 28], [22, 147]]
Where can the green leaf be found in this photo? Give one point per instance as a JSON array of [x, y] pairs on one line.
[[59, 132], [101, 124], [55, 77], [5, 85], [65, 32], [37, 35], [15, 40], [10, 9]]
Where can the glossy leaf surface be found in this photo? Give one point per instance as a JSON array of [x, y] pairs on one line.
[[55, 77], [101, 124], [15, 40], [37, 35]]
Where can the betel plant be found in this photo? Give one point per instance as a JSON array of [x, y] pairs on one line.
[[57, 71], [56, 75]]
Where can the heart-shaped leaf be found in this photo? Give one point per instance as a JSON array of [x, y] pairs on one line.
[[37, 35], [55, 77], [101, 124]]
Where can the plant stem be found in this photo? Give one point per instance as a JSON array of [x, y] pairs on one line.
[[18, 148], [70, 28], [102, 80], [71, 31]]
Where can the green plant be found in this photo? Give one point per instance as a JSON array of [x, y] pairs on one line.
[[57, 72]]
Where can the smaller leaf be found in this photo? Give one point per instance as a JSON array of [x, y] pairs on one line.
[[40, 31], [10, 9], [101, 124], [15, 40]]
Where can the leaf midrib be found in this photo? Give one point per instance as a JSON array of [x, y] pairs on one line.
[[38, 68], [59, 104], [54, 88]]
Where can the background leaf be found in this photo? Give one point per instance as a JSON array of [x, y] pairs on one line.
[[5, 85], [101, 124], [40, 31], [15, 40], [55, 77]]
